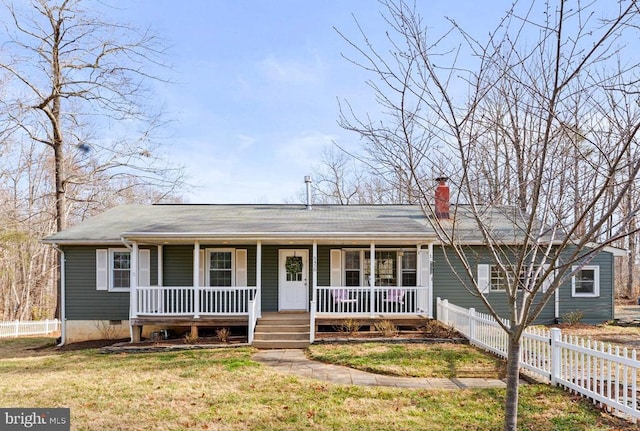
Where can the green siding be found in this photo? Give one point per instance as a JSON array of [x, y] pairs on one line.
[[451, 282], [177, 263], [596, 310], [82, 300]]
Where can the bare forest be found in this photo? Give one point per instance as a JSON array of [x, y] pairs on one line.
[[78, 134]]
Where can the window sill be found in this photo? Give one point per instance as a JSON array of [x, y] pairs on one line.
[[119, 289]]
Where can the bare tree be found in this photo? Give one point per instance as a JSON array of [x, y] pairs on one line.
[[540, 122], [79, 87]]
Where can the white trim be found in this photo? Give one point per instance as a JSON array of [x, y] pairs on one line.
[[596, 282]]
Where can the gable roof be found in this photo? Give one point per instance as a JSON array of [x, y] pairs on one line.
[[157, 222]]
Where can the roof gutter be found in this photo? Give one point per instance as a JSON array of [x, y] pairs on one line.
[[275, 235]]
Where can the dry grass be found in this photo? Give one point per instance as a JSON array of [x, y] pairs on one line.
[[224, 389], [442, 360], [617, 335]]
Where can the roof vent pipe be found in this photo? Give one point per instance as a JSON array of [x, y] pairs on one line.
[[307, 180]]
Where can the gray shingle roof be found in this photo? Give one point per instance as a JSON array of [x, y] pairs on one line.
[[255, 222], [248, 221]]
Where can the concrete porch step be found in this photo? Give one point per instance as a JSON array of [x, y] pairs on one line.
[[282, 331], [283, 336], [280, 344], [268, 327]]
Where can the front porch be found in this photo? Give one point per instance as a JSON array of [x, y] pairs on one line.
[[196, 306]]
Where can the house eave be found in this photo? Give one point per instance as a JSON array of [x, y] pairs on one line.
[[409, 237]]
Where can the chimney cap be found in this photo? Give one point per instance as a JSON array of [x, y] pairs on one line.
[[307, 178], [442, 179]]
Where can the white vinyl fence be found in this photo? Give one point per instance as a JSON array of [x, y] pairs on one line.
[[605, 374], [19, 328]]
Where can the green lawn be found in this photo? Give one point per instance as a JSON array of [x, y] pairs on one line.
[[412, 360], [225, 390]]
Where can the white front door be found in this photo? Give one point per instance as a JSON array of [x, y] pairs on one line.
[[293, 291]]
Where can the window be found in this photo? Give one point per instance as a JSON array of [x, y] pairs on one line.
[[352, 268], [498, 279], [220, 268], [586, 282], [385, 268], [409, 268], [120, 269]]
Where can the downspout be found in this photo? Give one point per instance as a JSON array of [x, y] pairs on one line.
[[556, 314], [430, 297], [130, 248], [63, 320]]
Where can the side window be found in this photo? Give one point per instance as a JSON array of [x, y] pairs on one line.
[[586, 282], [120, 269]]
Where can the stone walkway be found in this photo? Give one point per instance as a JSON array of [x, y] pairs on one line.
[[294, 361]]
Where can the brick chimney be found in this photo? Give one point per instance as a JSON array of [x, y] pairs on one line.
[[442, 198]]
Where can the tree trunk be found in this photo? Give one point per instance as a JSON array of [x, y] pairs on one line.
[[513, 381]]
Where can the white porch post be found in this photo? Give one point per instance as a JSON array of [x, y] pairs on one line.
[[196, 280], [372, 277], [133, 281], [314, 274], [259, 274], [430, 282], [160, 265]]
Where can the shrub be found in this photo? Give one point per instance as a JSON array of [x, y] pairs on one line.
[[107, 330], [189, 338], [223, 335], [435, 329], [387, 328], [350, 326], [573, 317]]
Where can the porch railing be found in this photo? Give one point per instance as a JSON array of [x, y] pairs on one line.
[[368, 301], [181, 301]]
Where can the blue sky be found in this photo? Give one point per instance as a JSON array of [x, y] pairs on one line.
[[257, 83]]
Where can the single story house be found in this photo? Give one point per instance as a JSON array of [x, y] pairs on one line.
[[279, 270]]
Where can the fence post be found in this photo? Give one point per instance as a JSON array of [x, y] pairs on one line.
[[556, 364], [17, 329], [472, 325], [46, 326], [445, 311]]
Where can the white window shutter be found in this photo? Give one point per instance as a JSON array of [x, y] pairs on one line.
[[201, 268], [484, 271], [336, 268], [144, 267], [102, 269], [547, 281], [424, 270], [241, 267]]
